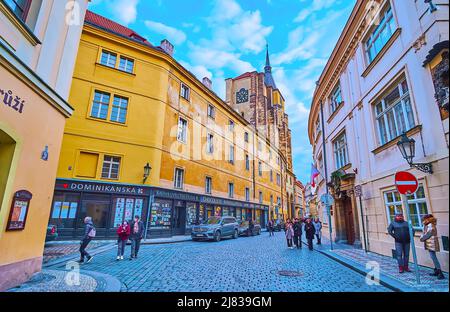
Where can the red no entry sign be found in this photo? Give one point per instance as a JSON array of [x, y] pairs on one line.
[[406, 183]]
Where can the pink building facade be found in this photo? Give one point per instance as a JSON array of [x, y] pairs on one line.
[[387, 75]]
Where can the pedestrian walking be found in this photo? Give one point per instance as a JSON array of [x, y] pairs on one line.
[[399, 230], [431, 242], [89, 234], [318, 226], [297, 233], [123, 233], [310, 231], [289, 232], [136, 235], [270, 226]]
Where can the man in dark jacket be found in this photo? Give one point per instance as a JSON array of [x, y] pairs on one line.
[[399, 230], [136, 235], [297, 233], [310, 231], [89, 234]]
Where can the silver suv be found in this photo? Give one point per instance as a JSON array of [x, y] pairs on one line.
[[215, 228]]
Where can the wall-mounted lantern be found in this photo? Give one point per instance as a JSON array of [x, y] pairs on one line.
[[147, 169], [407, 147]]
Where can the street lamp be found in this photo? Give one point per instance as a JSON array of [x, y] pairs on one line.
[[147, 170], [433, 7], [407, 147]]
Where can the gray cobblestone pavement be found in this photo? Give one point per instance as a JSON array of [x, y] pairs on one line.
[[245, 264]]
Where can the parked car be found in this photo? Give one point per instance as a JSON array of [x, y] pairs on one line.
[[215, 228], [278, 227], [245, 231], [52, 233]]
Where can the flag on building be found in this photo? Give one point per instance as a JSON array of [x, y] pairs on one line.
[[314, 174]]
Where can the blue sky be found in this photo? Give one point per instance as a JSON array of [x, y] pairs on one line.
[[225, 38]]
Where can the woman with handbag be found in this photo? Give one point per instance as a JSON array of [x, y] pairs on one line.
[[123, 232]]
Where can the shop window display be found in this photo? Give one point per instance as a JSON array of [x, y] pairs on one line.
[[191, 214], [161, 214], [64, 210]]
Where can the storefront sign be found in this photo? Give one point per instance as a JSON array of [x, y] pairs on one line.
[[12, 100], [19, 211], [176, 195], [101, 188]]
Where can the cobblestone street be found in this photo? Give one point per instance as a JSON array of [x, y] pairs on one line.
[[245, 264]]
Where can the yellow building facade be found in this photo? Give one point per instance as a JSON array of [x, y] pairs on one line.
[[33, 111], [147, 138]]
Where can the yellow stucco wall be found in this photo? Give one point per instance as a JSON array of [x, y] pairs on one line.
[[149, 134], [28, 171]]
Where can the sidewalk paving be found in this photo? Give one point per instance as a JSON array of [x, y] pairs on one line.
[[65, 281], [357, 259]]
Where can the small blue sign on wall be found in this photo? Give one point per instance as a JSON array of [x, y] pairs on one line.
[[44, 155]]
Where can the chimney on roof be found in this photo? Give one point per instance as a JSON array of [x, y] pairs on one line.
[[207, 82], [167, 47]]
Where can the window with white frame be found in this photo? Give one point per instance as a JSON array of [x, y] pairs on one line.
[[208, 185], [271, 175], [182, 130], [185, 92], [211, 111], [178, 180], [260, 169], [394, 113], [246, 137], [417, 206], [247, 194], [210, 143], [278, 179], [100, 105], [110, 168], [340, 151], [261, 197], [381, 33], [126, 64], [231, 190], [336, 98], [231, 154], [320, 164], [119, 109], [108, 59], [247, 162]]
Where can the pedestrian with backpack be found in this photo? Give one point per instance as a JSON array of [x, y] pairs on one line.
[[89, 234]]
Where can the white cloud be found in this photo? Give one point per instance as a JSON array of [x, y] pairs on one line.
[[217, 59], [316, 6], [172, 34], [122, 11]]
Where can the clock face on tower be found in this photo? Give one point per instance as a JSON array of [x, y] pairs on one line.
[[242, 96]]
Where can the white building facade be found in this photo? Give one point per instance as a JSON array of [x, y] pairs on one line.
[[387, 75]]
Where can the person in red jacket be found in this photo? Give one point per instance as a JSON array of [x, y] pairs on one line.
[[123, 232]]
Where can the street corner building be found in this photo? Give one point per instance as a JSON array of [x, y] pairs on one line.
[[37, 56], [387, 77], [148, 138]]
